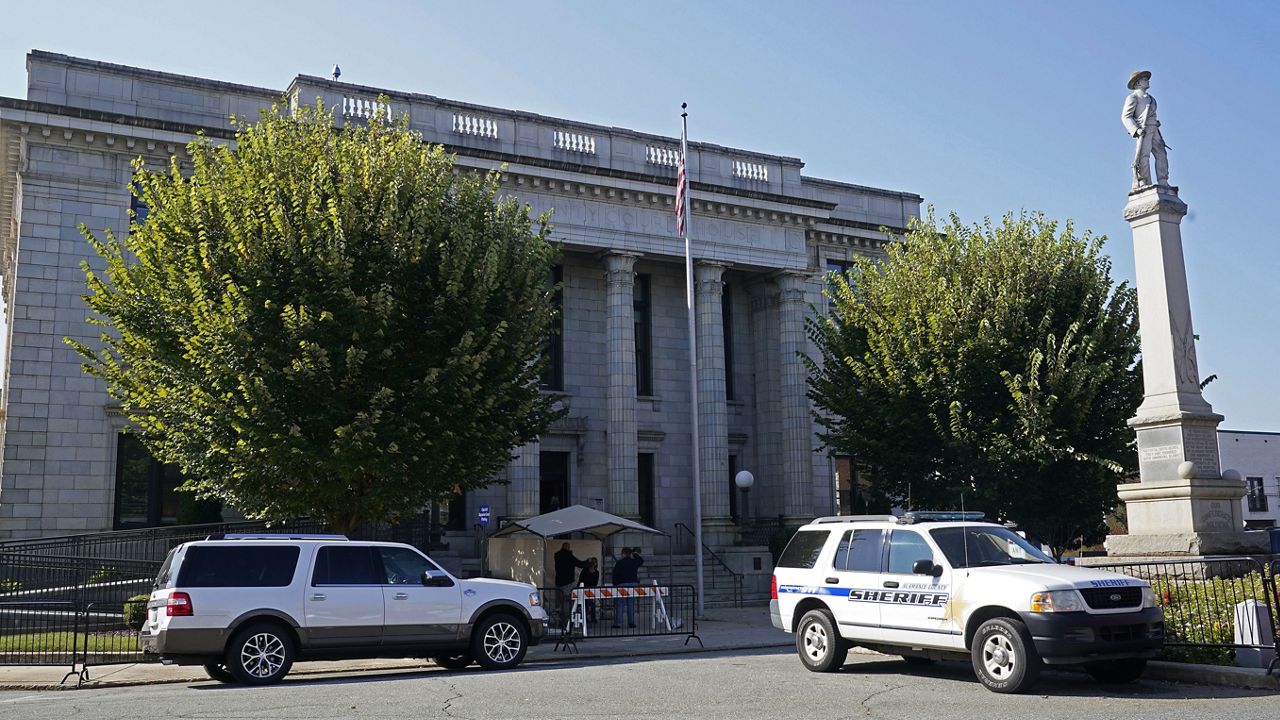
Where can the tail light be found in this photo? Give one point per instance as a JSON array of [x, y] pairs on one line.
[[178, 605], [773, 587]]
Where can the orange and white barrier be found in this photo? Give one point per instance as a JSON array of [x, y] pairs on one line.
[[656, 593]]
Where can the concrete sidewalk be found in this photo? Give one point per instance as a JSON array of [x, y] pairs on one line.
[[722, 630]]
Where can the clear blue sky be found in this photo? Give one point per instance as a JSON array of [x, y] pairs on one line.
[[980, 107]]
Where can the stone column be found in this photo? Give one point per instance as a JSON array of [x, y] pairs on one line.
[[1182, 504], [524, 474], [620, 339], [797, 425], [713, 408]]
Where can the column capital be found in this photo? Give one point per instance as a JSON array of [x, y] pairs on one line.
[[1161, 200], [709, 276], [619, 266], [791, 284]]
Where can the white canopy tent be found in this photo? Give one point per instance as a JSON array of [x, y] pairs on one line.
[[522, 550]]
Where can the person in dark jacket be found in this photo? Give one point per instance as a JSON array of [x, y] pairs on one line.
[[626, 573], [590, 577], [566, 570]]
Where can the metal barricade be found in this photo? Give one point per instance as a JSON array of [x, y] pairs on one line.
[[1199, 599], [109, 634], [621, 612]]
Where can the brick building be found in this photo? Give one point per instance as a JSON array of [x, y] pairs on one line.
[[764, 237]]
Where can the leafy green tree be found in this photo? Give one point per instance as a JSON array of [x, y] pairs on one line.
[[997, 362], [326, 322]]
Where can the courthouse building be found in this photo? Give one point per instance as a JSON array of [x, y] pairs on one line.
[[765, 236]]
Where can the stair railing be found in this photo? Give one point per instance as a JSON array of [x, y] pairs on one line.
[[734, 577]]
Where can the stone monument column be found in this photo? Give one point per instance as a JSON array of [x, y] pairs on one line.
[[713, 407], [620, 353], [797, 424], [1182, 504]]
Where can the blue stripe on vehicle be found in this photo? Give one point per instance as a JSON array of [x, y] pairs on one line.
[[814, 590]]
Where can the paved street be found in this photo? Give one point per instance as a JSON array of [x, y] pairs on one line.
[[750, 684]]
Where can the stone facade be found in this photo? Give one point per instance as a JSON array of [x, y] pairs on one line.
[[763, 237]]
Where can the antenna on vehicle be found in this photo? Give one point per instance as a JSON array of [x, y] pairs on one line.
[[909, 507], [964, 533]]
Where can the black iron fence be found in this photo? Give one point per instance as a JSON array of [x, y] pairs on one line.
[[621, 612], [38, 633], [1208, 615]]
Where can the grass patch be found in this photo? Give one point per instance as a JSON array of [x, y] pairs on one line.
[[98, 642], [1203, 612]]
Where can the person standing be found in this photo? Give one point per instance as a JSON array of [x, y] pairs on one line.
[[589, 578], [566, 571], [626, 573], [1139, 118]]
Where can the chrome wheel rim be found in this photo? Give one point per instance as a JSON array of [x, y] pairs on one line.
[[998, 657], [262, 655], [502, 642], [815, 642]]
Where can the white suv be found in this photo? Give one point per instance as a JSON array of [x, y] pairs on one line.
[[932, 586], [246, 607]]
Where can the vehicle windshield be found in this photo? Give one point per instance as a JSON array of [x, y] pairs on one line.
[[985, 546]]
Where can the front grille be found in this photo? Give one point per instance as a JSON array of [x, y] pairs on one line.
[[1120, 633], [1109, 598]]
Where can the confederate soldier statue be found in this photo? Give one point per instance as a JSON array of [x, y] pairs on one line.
[[1139, 117]]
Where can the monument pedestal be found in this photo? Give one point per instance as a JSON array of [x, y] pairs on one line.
[[1182, 504]]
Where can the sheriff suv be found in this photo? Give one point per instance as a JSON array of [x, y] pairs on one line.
[[933, 586], [245, 607]]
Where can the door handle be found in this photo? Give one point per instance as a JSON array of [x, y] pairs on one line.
[[832, 581], [891, 583], [400, 596], [318, 596]]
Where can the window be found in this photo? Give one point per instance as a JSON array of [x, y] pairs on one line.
[[835, 266], [139, 208], [238, 566], [644, 489], [553, 373], [402, 566], [643, 319], [346, 565], [1256, 494], [146, 490], [553, 481], [859, 551], [905, 548], [726, 314], [804, 549]]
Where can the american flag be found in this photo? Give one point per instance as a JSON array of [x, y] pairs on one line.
[[680, 191]]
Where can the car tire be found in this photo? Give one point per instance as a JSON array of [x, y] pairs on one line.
[[1004, 659], [260, 654], [820, 647], [499, 642], [219, 672], [917, 660], [453, 662], [1116, 672]]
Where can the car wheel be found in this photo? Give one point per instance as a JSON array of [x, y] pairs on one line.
[[260, 654], [1116, 672], [499, 642], [219, 672], [453, 662], [917, 660], [1003, 657], [820, 647]]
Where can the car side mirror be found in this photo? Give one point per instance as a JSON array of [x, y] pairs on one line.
[[926, 567], [431, 580]]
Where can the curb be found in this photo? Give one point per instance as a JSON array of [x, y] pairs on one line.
[[1220, 675]]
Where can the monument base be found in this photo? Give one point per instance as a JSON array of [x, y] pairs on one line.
[[1194, 544]]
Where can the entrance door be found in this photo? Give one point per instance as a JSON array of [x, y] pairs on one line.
[[553, 485]]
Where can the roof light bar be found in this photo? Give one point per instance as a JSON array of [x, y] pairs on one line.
[[941, 516]]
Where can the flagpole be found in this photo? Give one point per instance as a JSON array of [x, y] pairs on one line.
[[683, 191]]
